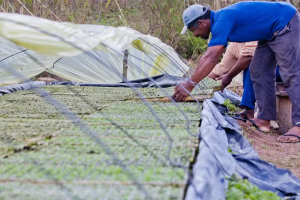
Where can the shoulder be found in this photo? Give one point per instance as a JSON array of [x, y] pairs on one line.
[[227, 13], [234, 10]]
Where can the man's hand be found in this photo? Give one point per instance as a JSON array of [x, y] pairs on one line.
[[180, 94], [226, 80], [204, 67], [242, 63]]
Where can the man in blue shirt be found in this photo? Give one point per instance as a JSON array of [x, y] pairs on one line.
[[277, 28]]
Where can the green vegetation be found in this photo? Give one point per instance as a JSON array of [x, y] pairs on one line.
[[163, 19], [41, 149], [244, 190], [230, 150], [86, 191], [231, 107]]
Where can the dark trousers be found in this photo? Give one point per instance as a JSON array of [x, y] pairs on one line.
[[284, 49], [248, 99]]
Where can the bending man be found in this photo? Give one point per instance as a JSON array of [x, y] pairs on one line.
[[236, 59], [277, 28]]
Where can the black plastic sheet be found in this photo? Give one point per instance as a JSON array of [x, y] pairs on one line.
[[214, 165], [259, 172], [245, 163], [23, 86], [163, 80]]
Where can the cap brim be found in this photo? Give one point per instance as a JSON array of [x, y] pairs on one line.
[[184, 29]]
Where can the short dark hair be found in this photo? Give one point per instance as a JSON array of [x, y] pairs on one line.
[[205, 16]]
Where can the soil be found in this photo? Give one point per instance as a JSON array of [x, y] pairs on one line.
[[283, 155]]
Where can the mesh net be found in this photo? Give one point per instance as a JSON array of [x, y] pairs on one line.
[[43, 149], [71, 142]]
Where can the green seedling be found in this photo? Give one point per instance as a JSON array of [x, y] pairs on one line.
[[231, 107], [127, 128], [244, 190]]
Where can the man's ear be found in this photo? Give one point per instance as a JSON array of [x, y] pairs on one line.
[[201, 22]]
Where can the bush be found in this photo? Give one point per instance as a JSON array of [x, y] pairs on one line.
[[164, 19]]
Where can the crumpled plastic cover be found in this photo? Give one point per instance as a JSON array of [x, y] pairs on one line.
[[213, 165], [81, 53]]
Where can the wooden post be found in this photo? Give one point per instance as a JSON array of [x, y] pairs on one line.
[[284, 109], [125, 66]]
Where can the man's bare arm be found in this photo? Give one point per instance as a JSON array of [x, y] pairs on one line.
[[207, 62], [204, 67], [242, 63]]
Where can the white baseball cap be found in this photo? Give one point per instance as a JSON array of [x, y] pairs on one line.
[[192, 13]]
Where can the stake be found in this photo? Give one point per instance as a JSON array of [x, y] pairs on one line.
[[125, 66]]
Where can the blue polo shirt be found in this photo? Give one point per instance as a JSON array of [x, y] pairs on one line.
[[249, 21]]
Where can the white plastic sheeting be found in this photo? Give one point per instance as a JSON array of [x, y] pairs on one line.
[[82, 53]]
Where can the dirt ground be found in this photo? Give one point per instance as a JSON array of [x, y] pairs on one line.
[[283, 155]]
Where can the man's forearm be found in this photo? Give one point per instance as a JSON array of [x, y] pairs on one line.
[[207, 63], [204, 67], [242, 63]]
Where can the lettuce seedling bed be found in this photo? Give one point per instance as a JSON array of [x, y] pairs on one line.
[[44, 155]]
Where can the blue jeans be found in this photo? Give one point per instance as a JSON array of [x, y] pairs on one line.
[[248, 99]]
